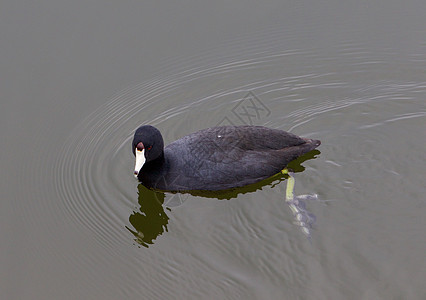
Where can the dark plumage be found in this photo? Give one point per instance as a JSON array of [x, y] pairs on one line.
[[216, 158]]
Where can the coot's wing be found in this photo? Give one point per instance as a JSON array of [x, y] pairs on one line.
[[244, 137]]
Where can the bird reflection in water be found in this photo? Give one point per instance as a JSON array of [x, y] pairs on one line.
[[151, 220]]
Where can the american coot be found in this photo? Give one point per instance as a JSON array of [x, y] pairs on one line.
[[213, 159]]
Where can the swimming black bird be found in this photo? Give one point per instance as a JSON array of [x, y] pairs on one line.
[[216, 158]]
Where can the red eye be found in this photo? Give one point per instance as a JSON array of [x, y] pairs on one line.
[[149, 148]]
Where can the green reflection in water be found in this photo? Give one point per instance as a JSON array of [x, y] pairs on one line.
[[151, 220]]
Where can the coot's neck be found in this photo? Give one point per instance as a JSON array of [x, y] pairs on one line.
[[155, 163]]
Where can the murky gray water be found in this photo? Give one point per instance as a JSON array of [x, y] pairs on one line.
[[78, 77]]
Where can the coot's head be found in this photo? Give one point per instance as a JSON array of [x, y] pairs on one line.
[[147, 145]]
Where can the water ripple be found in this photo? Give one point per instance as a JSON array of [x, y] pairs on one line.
[[93, 176]]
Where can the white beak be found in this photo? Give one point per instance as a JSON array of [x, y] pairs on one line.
[[140, 160]]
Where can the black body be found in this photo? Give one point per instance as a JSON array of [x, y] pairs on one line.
[[217, 158]]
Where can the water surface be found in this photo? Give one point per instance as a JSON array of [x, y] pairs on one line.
[[78, 79]]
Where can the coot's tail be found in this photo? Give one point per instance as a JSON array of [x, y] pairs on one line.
[[312, 143], [288, 154]]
